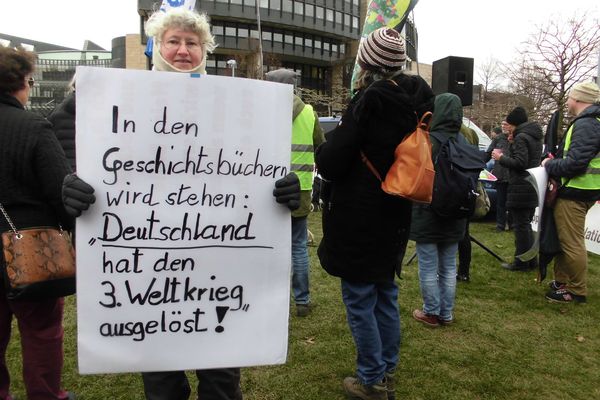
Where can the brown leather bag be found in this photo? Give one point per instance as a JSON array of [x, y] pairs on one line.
[[39, 262], [412, 173]]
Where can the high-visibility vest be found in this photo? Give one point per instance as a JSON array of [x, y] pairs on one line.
[[303, 155], [590, 180]]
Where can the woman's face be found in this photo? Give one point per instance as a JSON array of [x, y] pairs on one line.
[[182, 49]]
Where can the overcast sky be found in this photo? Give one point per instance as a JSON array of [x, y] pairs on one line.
[[480, 29]]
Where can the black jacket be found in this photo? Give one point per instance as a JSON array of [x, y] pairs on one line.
[[524, 152], [499, 142], [363, 227], [585, 145], [32, 168], [63, 120]]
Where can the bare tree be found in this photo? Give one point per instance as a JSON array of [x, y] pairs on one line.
[[552, 60], [489, 74]]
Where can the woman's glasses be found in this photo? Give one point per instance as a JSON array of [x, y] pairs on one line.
[[173, 44], [31, 82]]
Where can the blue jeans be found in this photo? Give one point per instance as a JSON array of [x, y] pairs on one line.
[[374, 321], [300, 261], [437, 277]]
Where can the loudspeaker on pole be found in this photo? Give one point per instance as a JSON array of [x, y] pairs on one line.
[[454, 75]]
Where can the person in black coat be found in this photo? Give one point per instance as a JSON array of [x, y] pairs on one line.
[[500, 141], [63, 121], [525, 151], [363, 227], [32, 168]]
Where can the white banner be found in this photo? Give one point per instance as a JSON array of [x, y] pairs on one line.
[[168, 4], [592, 219], [184, 259]]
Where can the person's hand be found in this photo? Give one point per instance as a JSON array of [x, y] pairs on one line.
[[287, 191], [77, 195], [548, 158], [496, 154]]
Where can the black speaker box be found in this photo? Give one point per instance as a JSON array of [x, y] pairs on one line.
[[454, 75]]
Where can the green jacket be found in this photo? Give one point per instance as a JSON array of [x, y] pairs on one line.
[[318, 138]]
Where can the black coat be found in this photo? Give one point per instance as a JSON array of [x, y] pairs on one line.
[[63, 120], [363, 227], [499, 142], [32, 168], [585, 144], [524, 152]]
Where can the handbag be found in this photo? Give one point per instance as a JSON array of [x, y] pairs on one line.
[[38, 262], [411, 175], [551, 192]]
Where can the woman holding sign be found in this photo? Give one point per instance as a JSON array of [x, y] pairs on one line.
[[182, 39]]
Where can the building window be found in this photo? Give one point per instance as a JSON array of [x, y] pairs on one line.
[[254, 33], [266, 35], [236, 2], [308, 43], [342, 48], [249, 3], [222, 1], [242, 32], [264, 3], [320, 12], [287, 6], [299, 40], [211, 63], [230, 31], [317, 44], [334, 48], [309, 10], [347, 23], [217, 30], [289, 38], [354, 22], [277, 37], [275, 5], [298, 8], [329, 14], [338, 18]]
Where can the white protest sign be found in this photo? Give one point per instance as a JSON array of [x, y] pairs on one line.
[[592, 219], [184, 259]]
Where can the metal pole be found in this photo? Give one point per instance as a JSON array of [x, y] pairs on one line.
[[260, 49], [598, 72]]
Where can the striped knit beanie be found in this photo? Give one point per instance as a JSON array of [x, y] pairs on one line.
[[382, 49]]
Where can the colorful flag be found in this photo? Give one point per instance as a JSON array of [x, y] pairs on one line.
[[384, 13], [164, 7]]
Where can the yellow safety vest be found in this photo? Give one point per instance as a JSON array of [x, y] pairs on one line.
[[590, 180], [303, 151]]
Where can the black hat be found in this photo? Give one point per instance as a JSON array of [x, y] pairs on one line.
[[517, 116]]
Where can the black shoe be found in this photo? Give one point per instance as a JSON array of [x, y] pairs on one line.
[[564, 296], [556, 285], [462, 278], [516, 267]]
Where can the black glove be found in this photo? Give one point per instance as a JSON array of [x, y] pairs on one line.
[[77, 195], [287, 191]]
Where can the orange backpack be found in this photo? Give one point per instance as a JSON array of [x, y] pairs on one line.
[[411, 175]]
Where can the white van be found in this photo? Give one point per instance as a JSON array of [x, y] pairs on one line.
[[484, 140]]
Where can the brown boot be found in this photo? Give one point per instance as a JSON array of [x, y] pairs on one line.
[[356, 390]]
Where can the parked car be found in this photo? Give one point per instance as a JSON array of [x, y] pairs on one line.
[[329, 123]]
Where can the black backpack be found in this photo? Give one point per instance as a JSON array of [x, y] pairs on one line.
[[457, 166]]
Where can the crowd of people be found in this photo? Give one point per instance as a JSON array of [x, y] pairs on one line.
[[364, 228]]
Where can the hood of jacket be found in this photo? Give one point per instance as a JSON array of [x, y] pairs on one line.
[[530, 128], [297, 107], [447, 113]]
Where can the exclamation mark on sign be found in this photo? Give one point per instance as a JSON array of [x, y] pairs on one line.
[[221, 311]]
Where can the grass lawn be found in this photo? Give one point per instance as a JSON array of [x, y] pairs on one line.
[[508, 342]]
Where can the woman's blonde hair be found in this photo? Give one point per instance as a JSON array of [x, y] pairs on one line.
[[181, 18], [366, 77]]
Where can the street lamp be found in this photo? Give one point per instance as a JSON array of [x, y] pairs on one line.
[[232, 64]]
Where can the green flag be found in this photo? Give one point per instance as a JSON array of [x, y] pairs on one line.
[[384, 13]]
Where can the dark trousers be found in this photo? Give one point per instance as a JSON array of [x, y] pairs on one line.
[[501, 219], [41, 331], [213, 384], [521, 219], [464, 253]]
